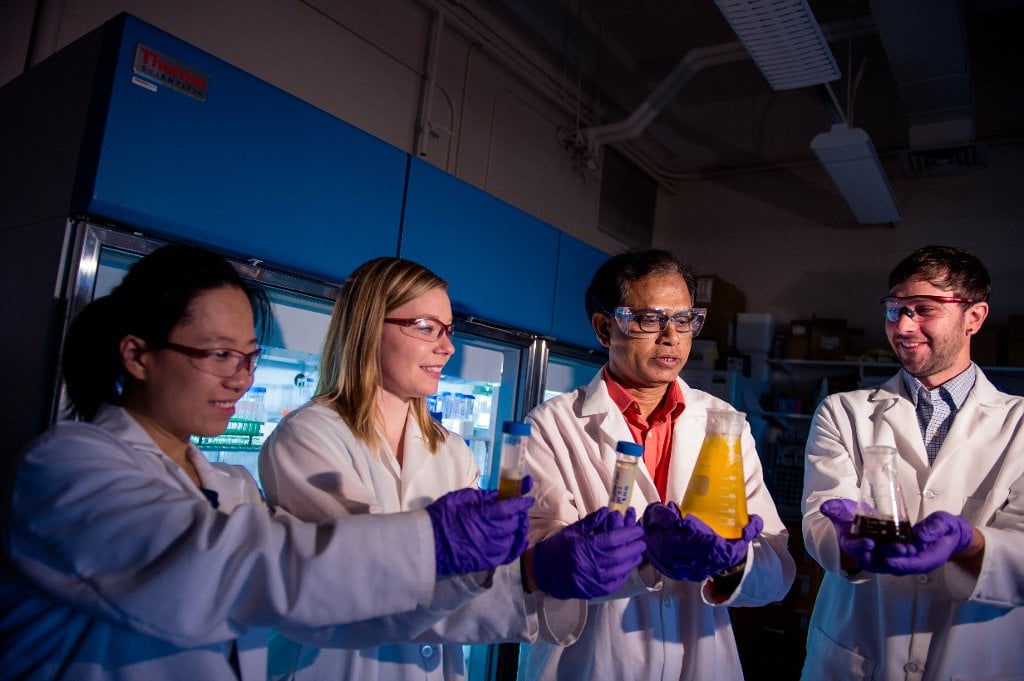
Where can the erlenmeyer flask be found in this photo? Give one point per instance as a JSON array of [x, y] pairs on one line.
[[881, 511], [716, 493]]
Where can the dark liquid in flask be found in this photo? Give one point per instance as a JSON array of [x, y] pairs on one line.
[[882, 531]]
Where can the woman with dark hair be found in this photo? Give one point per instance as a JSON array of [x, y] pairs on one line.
[[127, 555], [366, 445]]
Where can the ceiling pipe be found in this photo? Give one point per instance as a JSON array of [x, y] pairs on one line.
[[926, 45], [587, 142], [424, 127]]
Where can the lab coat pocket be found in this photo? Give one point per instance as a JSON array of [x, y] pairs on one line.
[[980, 510], [828, 659]]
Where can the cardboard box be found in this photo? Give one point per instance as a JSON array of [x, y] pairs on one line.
[[828, 339], [798, 340], [724, 301], [703, 354]]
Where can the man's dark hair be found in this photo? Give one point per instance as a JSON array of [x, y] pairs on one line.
[[610, 284], [946, 267]]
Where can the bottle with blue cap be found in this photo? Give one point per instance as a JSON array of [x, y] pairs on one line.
[[626, 458], [515, 436]]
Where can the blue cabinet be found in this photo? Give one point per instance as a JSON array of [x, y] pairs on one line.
[[577, 262], [251, 170], [501, 263]]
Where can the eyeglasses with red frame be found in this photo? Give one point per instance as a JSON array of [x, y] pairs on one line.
[[920, 307], [220, 362], [428, 329]]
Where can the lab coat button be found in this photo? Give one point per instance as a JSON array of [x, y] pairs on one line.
[[923, 579], [427, 652], [929, 494], [668, 601], [910, 667]]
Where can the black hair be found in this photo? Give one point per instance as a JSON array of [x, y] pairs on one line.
[[949, 268], [610, 284], [151, 300]]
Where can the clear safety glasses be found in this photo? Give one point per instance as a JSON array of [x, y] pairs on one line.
[[920, 308], [424, 328], [644, 321], [220, 362]]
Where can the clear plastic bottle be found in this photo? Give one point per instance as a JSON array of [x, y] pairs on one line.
[[626, 459], [717, 492], [515, 436], [259, 403]]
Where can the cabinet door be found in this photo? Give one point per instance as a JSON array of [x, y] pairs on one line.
[[500, 262], [577, 262], [249, 170]]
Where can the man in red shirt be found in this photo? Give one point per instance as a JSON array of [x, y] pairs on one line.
[[670, 621]]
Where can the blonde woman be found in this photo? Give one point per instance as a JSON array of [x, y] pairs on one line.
[[366, 444]]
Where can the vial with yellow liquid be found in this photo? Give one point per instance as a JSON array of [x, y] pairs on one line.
[[515, 435], [716, 493]]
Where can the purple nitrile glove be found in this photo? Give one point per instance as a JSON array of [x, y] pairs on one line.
[[936, 538], [474, 530], [590, 558], [862, 549], [687, 549]]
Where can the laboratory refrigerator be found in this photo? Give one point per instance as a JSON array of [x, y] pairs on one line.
[[96, 183], [496, 374]]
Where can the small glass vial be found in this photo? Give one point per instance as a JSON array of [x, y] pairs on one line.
[[626, 459], [514, 438]]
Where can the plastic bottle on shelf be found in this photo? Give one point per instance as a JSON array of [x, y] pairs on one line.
[[628, 454], [259, 403]]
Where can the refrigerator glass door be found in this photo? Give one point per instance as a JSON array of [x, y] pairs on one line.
[[485, 383], [287, 370], [568, 368], [482, 386]]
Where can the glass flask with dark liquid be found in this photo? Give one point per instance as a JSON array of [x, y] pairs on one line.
[[881, 511]]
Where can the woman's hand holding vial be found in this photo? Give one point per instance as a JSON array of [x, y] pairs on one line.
[[475, 530]]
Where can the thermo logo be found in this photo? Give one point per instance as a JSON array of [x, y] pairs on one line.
[[170, 72]]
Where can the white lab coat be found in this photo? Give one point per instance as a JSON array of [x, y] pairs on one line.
[[118, 567], [316, 468], [945, 624], [656, 628]]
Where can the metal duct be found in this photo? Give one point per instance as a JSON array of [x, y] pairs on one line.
[[926, 44]]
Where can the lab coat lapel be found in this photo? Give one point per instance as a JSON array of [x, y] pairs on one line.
[[612, 427], [687, 438], [894, 423], [961, 467]]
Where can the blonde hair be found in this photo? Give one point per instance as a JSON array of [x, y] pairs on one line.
[[350, 372]]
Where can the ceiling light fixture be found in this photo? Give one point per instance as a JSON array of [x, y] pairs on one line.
[[784, 40], [851, 161], [786, 43]]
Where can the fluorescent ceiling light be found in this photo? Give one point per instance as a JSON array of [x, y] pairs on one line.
[[852, 162], [784, 40]]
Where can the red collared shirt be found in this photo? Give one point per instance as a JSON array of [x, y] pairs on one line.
[[655, 432]]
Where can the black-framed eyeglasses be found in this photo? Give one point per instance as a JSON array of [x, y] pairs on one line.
[[428, 329], [220, 362], [643, 321], [921, 307]]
